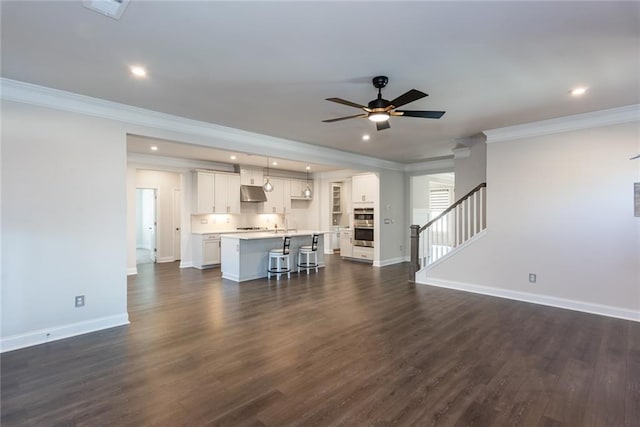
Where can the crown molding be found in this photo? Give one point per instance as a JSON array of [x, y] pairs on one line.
[[152, 161], [432, 166], [216, 136], [461, 152], [613, 116]]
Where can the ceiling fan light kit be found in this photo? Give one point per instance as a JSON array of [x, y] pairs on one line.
[[380, 110], [378, 117]]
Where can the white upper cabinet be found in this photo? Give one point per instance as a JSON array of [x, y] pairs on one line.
[[227, 193], [217, 193], [279, 200], [251, 177], [297, 189], [204, 182], [364, 188]]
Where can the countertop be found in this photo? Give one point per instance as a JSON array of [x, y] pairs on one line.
[[271, 234], [238, 231]]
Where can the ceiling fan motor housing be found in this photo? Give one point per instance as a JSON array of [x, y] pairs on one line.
[[380, 81], [378, 104]]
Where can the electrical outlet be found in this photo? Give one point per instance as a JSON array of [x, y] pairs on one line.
[[79, 301], [204, 221], [532, 278]]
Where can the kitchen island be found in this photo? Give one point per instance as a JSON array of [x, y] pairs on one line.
[[245, 256]]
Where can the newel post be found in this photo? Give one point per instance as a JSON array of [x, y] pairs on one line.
[[415, 235]]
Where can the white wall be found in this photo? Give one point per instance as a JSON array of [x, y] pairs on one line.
[[559, 206], [392, 207], [470, 168], [63, 224], [164, 182]]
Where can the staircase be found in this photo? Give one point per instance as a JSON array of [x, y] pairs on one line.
[[450, 230]]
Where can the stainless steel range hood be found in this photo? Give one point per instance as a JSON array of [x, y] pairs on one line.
[[252, 193]]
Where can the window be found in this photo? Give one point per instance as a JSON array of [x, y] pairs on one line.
[[439, 200]]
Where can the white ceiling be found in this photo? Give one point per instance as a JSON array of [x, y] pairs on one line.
[[267, 67]]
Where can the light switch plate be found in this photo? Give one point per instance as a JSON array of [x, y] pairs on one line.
[[79, 301]]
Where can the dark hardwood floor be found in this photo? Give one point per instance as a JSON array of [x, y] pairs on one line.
[[351, 345]]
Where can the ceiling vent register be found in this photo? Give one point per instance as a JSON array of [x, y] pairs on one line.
[[111, 8]]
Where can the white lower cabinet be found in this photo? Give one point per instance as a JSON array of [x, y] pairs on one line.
[[363, 253], [346, 243], [206, 250]]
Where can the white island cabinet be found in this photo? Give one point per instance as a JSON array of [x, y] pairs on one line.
[[246, 256]]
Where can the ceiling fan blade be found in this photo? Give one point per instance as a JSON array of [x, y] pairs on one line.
[[423, 114], [344, 118], [407, 97], [345, 102], [383, 125]]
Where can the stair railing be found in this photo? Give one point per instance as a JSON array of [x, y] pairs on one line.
[[454, 226]]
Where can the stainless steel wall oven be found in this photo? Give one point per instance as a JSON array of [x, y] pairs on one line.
[[363, 227]]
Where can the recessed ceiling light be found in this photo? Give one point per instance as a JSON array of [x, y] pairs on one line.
[[308, 168], [154, 148], [365, 137], [275, 163], [233, 157], [138, 71], [578, 91]]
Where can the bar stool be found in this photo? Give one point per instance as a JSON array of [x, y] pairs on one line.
[[281, 257], [307, 251]]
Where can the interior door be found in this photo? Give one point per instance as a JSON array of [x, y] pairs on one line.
[[146, 224], [177, 234]]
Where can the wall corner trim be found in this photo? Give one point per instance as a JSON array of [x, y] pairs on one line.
[[613, 116], [586, 307], [132, 271], [42, 336]]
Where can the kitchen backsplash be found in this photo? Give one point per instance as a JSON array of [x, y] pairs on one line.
[[249, 217]]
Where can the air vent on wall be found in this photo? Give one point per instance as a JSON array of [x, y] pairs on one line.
[[111, 8]]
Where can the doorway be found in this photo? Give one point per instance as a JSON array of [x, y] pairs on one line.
[[146, 223], [430, 195], [177, 218]]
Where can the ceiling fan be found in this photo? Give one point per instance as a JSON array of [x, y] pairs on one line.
[[379, 110]]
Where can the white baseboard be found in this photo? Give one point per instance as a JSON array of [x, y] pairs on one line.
[[390, 261], [14, 342], [186, 264], [132, 270], [587, 307], [205, 267], [165, 259]]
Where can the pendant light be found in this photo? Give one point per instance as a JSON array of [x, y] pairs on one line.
[[268, 186], [307, 191]]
